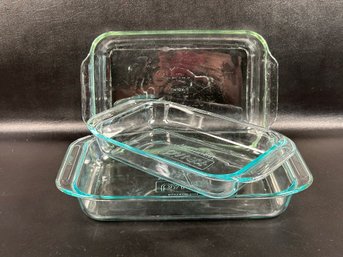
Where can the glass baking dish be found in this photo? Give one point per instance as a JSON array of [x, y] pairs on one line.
[[202, 151], [219, 71], [110, 190]]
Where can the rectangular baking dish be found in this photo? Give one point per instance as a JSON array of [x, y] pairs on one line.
[[221, 71], [110, 190], [202, 151]]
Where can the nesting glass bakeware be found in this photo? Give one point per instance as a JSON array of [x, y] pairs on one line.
[[202, 151], [221, 71], [192, 108], [110, 190]]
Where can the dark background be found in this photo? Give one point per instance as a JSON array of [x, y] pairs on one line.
[[42, 44]]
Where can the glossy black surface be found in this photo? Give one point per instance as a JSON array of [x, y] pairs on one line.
[[38, 220], [42, 45]]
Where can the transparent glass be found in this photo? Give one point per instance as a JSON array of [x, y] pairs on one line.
[[202, 151], [110, 190], [215, 70]]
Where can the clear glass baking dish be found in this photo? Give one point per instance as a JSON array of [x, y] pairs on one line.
[[110, 190], [202, 151], [215, 70]]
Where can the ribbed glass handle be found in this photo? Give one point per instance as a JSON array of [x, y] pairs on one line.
[[85, 90], [68, 169]]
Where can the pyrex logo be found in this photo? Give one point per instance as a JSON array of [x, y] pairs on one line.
[[198, 161], [170, 189]]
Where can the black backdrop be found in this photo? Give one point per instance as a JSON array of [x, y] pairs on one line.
[[42, 44]]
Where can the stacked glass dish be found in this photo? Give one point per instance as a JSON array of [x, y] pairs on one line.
[[180, 129]]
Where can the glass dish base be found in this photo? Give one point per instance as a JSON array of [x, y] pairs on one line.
[[109, 190], [254, 208]]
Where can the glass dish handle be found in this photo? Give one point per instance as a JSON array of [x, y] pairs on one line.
[[272, 79], [68, 169], [297, 167], [85, 90]]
